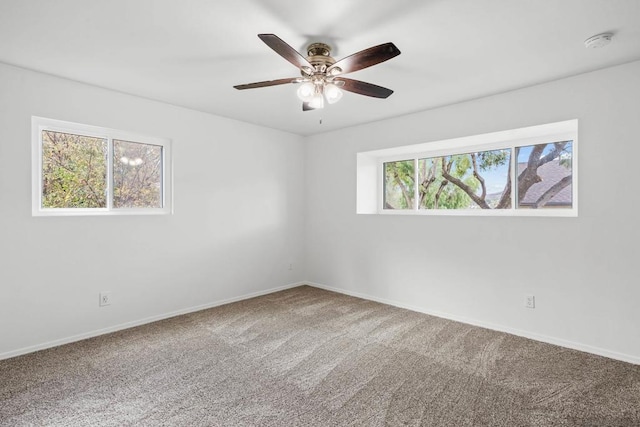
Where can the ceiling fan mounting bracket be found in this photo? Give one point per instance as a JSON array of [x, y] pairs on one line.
[[319, 49]]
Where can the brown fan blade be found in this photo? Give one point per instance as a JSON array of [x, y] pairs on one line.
[[266, 83], [363, 59], [286, 51], [364, 88], [307, 107]]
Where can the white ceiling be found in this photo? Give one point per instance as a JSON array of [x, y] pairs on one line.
[[191, 52]]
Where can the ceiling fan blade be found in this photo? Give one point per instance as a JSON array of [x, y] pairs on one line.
[[266, 83], [364, 88], [363, 59], [286, 51]]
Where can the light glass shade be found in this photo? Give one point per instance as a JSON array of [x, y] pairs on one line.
[[332, 93], [317, 101], [306, 91]]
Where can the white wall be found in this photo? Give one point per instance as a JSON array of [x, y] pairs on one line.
[[478, 269], [235, 234], [238, 202]]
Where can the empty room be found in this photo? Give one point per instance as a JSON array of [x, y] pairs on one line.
[[279, 213]]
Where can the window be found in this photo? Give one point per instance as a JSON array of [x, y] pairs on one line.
[[399, 184], [87, 170], [529, 171], [545, 175], [137, 175], [465, 181]]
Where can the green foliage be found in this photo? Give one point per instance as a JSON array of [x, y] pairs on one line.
[[438, 193], [461, 165], [492, 159], [399, 184], [74, 171], [474, 180]]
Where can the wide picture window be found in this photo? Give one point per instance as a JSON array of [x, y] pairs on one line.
[[86, 170], [528, 171]]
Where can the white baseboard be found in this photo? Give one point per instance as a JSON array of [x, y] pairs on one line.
[[140, 322], [525, 334]]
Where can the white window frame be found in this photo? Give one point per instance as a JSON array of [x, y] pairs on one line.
[[370, 169], [40, 124]]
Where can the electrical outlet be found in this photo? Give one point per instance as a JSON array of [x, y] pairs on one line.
[[105, 298], [530, 301]]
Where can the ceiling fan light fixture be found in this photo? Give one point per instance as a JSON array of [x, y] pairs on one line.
[[332, 93], [317, 101], [306, 91]]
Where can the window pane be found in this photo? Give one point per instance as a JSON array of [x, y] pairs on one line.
[[399, 184], [545, 175], [137, 175], [466, 181], [74, 171]]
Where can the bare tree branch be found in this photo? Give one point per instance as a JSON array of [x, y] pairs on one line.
[[529, 176], [430, 178], [552, 191], [505, 199], [474, 162], [439, 192], [464, 187], [405, 192]]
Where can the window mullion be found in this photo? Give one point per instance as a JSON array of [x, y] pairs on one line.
[[109, 186], [416, 189], [514, 174]]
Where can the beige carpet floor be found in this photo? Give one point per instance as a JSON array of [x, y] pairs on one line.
[[308, 357]]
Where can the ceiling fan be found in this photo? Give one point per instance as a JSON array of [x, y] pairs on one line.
[[322, 75]]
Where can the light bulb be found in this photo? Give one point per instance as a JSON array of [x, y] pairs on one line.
[[317, 101], [124, 160], [305, 91], [332, 93]]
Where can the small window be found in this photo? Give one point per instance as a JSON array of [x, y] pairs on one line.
[[137, 175], [528, 172], [545, 176], [86, 170], [74, 171], [465, 181], [399, 185]]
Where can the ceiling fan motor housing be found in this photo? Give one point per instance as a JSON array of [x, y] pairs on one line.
[[319, 55]]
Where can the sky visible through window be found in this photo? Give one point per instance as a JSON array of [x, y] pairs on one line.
[[496, 178]]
